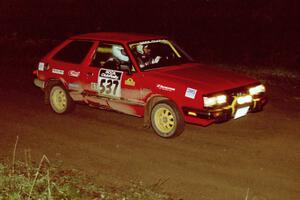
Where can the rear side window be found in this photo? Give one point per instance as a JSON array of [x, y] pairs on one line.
[[74, 52]]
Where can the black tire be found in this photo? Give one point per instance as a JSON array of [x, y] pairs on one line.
[[166, 119], [60, 100]]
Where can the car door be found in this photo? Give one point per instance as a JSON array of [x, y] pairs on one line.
[[111, 80]]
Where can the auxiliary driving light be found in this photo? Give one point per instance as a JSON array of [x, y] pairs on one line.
[[244, 99]]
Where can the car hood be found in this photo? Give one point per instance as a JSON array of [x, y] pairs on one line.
[[205, 78]]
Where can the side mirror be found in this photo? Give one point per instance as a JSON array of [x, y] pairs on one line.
[[125, 68]]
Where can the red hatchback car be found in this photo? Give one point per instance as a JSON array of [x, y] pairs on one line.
[[146, 76]]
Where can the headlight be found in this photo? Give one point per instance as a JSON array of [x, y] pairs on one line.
[[257, 89], [215, 100]]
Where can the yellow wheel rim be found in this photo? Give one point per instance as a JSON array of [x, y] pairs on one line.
[[59, 99], [164, 120]]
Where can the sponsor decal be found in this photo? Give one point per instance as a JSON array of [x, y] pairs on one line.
[[190, 93], [151, 41], [94, 86], [110, 74], [73, 73], [130, 82], [165, 88], [108, 83], [58, 71], [41, 66]]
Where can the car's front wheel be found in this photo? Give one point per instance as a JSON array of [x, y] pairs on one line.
[[166, 120], [60, 100]]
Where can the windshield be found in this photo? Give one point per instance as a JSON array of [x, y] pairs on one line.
[[158, 53]]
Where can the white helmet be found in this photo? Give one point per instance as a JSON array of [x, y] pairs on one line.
[[119, 53], [140, 48]]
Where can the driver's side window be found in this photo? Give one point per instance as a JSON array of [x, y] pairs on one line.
[[110, 56]]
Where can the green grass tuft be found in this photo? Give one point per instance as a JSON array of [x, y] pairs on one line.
[[48, 182], [29, 180]]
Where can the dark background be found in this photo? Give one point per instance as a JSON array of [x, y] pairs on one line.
[[250, 32]]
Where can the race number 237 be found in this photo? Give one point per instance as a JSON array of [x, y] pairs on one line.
[[109, 87]]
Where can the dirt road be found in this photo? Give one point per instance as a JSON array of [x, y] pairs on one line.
[[258, 155]]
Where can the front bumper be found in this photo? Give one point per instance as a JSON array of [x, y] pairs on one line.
[[225, 113]]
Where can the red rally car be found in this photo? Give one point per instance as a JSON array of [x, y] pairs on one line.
[[146, 76]]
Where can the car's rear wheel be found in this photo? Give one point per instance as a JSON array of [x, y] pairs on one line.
[[60, 100], [166, 120]]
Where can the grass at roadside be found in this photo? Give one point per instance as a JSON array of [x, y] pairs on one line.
[[43, 180], [47, 182]]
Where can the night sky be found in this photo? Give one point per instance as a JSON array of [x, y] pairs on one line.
[[228, 30]]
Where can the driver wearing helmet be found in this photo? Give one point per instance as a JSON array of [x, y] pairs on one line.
[[145, 57], [118, 57], [119, 53]]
